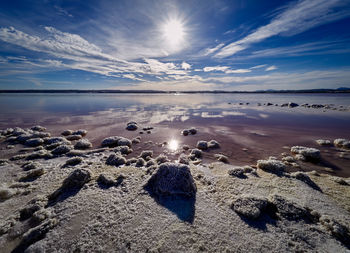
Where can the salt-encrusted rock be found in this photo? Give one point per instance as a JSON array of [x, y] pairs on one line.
[[342, 143], [289, 159], [292, 105], [140, 162], [6, 193], [34, 142], [74, 137], [323, 142], [23, 138], [67, 132], [32, 175], [73, 161], [172, 179], [53, 140], [3, 162], [274, 166], [249, 206], [340, 180], [192, 130], [317, 106], [151, 163], [116, 141], [81, 132], [115, 160], [62, 149], [124, 150], [183, 159], [221, 158], [18, 131], [76, 152], [185, 147], [306, 179], [106, 180], [131, 126], [136, 140], [83, 144], [38, 155], [312, 154], [131, 161], [213, 144], [146, 153], [185, 132], [161, 159], [202, 145], [335, 228], [41, 135], [17, 157], [31, 166], [287, 209], [196, 153], [38, 128], [236, 172]]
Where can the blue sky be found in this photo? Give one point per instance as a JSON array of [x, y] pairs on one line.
[[175, 45]]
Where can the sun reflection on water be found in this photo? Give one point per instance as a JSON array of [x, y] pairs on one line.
[[173, 145]]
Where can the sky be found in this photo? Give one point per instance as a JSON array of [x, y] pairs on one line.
[[175, 45]]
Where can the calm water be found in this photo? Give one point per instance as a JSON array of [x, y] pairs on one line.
[[262, 130]]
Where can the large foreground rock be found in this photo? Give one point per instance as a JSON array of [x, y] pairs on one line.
[[172, 179]]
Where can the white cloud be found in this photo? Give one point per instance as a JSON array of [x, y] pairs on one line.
[[237, 71], [215, 68], [297, 18], [185, 66], [209, 51], [258, 66], [271, 68]]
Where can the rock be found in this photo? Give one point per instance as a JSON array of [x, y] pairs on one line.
[[306, 179], [185, 132], [284, 105], [317, 106], [31, 166], [192, 130], [340, 181], [196, 153], [67, 132], [213, 144], [185, 147], [38, 155], [116, 141], [3, 162], [131, 126], [32, 175], [221, 158], [136, 140], [73, 161], [140, 162], [124, 150], [269, 104], [62, 149], [106, 180], [131, 161], [250, 207], [274, 166], [18, 131], [289, 159], [23, 138], [38, 128], [151, 163], [336, 229], [288, 209], [183, 159], [146, 153], [53, 140], [34, 142], [324, 142], [236, 172], [202, 145], [312, 154], [342, 143], [115, 160], [6, 193], [41, 135], [76, 179], [74, 137], [292, 105], [161, 159], [81, 132], [83, 144], [172, 179]]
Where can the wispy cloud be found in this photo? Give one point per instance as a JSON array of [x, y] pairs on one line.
[[212, 50], [271, 68], [298, 17], [258, 66], [225, 69], [216, 68], [185, 66]]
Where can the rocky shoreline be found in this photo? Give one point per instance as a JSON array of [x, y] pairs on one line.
[[60, 192]]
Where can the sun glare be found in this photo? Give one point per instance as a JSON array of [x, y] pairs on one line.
[[173, 32], [173, 145]]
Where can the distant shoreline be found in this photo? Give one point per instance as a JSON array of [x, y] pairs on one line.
[[339, 90]]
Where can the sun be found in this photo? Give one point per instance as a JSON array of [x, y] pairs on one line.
[[173, 32]]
